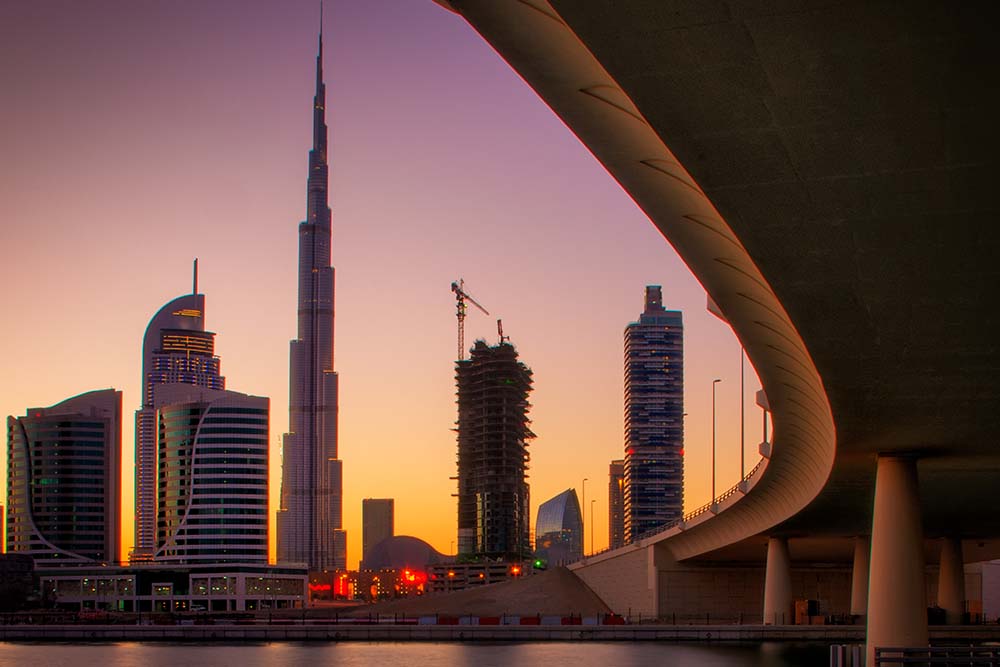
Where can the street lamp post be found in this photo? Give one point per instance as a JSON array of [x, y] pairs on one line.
[[594, 500], [714, 383], [743, 439]]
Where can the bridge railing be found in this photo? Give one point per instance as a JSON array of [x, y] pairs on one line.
[[743, 486], [936, 655]]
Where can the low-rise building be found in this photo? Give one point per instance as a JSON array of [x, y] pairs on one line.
[[446, 578], [161, 588]]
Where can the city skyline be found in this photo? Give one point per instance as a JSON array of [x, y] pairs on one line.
[[410, 121]]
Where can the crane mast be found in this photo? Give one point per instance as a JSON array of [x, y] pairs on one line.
[[461, 296]]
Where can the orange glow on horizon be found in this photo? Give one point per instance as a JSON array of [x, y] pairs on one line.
[[511, 201]]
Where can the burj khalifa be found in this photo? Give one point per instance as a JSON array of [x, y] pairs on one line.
[[310, 528]]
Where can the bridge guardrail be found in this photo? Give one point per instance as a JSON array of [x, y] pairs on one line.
[[690, 515]]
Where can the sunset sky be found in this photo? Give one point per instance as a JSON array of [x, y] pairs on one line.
[[137, 135]]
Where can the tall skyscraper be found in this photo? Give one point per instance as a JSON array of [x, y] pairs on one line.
[[175, 349], [654, 417], [212, 476], [63, 480], [493, 435], [377, 523], [310, 517], [616, 504], [559, 530]]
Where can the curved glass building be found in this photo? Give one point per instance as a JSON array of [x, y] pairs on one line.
[[559, 530], [175, 349], [63, 480], [211, 449]]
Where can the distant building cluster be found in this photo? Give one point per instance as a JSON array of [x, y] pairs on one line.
[[201, 465], [201, 460]]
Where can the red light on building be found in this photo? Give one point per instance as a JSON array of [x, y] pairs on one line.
[[515, 570], [414, 577], [341, 586], [319, 588]]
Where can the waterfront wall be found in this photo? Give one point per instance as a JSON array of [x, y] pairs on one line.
[[517, 633]]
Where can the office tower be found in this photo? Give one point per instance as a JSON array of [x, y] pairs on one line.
[[175, 349], [377, 523], [493, 434], [616, 504], [559, 530], [654, 424], [310, 518], [63, 480], [211, 447]]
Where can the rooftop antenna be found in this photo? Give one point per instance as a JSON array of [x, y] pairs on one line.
[[195, 277]]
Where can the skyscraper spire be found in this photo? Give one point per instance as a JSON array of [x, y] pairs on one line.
[[309, 521], [317, 209]]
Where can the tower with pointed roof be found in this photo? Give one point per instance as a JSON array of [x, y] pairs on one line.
[[175, 349], [310, 517]]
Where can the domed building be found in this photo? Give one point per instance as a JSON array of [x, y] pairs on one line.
[[401, 552]]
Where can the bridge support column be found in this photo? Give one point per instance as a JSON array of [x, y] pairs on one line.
[[897, 600], [859, 576], [951, 581], [778, 583]]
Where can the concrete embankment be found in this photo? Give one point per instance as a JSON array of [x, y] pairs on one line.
[[392, 632], [515, 633]]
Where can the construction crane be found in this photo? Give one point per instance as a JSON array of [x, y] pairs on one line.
[[461, 296]]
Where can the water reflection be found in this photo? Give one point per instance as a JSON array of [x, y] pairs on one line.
[[429, 654]]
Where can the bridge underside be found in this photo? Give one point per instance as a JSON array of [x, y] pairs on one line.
[[829, 177]]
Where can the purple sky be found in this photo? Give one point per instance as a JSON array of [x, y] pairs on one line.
[[137, 135]]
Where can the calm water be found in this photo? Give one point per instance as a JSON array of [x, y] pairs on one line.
[[391, 654]]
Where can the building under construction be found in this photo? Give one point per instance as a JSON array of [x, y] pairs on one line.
[[493, 434]]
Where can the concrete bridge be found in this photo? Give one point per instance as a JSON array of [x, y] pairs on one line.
[[826, 170]]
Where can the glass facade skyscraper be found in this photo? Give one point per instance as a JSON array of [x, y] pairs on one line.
[[175, 349], [212, 476], [616, 504], [654, 418], [377, 523], [63, 480], [310, 519], [559, 530]]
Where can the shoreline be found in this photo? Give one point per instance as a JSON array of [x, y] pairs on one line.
[[458, 633]]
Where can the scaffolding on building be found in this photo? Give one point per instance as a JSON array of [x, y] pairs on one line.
[[493, 434]]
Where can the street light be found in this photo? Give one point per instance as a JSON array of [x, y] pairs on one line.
[[594, 500], [714, 383], [743, 429], [713, 308]]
